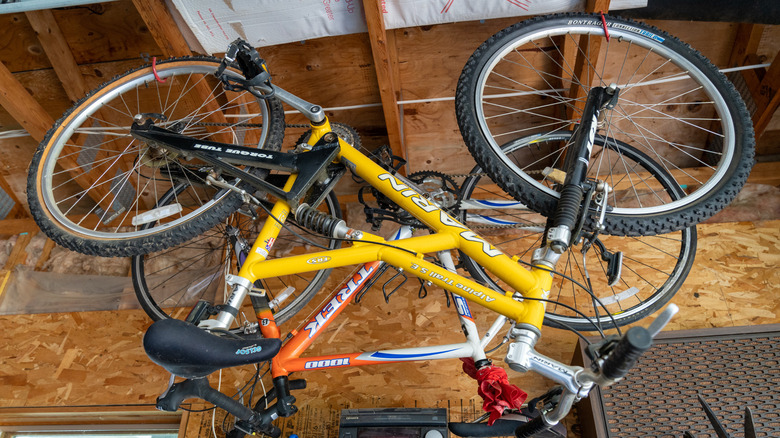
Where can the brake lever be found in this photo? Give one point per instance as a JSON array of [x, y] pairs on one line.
[[576, 381], [663, 318]]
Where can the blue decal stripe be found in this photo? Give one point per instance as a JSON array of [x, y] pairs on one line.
[[498, 203], [380, 355], [497, 221]]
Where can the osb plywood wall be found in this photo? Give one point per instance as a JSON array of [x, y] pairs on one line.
[[95, 358]]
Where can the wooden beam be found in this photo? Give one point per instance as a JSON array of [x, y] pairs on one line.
[[23, 107], [746, 43], [597, 6], [587, 52], [767, 98], [44, 257], [57, 50], [169, 38], [18, 254], [163, 28], [17, 211], [11, 227], [388, 82]]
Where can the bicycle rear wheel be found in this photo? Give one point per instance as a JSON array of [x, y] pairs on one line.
[[92, 187], [169, 282], [653, 267], [673, 105]]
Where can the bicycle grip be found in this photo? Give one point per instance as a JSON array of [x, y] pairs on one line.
[[636, 341], [200, 388], [531, 428], [177, 393]]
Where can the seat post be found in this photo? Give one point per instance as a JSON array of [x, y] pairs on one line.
[[285, 402]]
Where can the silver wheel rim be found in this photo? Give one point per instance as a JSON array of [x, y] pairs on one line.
[[164, 71], [656, 48]]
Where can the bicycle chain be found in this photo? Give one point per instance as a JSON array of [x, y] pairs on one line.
[[247, 125], [495, 227], [457, 205], [467, 175]]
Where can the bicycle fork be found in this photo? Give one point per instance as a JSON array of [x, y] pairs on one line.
[[559, 236]]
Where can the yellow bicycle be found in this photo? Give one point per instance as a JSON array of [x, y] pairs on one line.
[[168, 151]]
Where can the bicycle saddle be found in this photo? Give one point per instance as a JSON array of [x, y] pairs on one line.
[[190, 352]]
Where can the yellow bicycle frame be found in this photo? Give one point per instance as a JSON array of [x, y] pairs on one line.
[[407, 254]]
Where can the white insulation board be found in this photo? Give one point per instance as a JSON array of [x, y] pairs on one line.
[[271, 22]]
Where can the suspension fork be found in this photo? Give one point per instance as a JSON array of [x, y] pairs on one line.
[[576, 167], [240, 284]]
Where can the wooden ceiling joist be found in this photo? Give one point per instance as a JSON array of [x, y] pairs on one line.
[[382, 51], [22, 106], [18, 254], [163, 28], [767, 97], [57, 50], [580, 58], [17, 211], [762, 84], [746, 43]]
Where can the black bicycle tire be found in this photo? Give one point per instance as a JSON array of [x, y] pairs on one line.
[[663, 222], [156, 313], [682, 271], [124, 247]]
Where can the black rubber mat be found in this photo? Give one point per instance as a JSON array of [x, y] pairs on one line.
[[731, 368]]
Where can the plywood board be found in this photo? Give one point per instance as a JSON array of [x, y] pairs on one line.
[[96, 357]]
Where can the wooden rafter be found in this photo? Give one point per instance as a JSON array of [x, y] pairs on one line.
[[18, 211], [384, 66], [22, 106], [763, 84], [11, 227], [172, 43], [746, 43], [18, 254], [163, 28], [767, 97], [57, 50], [581, 57]]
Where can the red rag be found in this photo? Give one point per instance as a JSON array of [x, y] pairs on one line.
[[494, 388]]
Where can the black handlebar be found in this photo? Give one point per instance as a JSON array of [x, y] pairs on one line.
[[531, 428], [200, 388], [620, 360], [636, 341]]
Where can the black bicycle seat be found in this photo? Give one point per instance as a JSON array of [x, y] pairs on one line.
[[191, 352]]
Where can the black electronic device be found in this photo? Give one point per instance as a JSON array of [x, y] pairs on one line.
[[393, 422]]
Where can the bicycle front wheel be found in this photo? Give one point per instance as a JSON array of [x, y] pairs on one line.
[[653, 267], [672, 105], [168, 283], [92, 187]]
